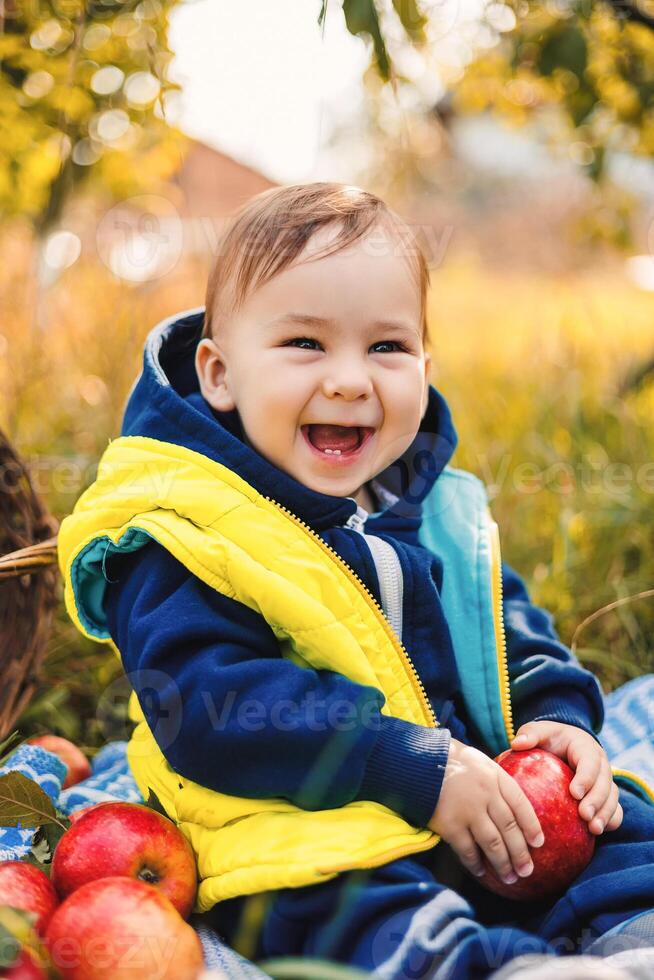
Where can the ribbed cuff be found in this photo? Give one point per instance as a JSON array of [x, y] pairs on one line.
[[405, 769], [575, 710]]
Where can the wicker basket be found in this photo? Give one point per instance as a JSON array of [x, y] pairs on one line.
[[28, 584]]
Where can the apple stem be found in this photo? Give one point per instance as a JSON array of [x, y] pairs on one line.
[[148, 876]]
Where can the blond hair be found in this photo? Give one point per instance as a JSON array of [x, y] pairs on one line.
[[270, 230]]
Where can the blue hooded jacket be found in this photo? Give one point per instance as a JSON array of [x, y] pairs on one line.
[[228, 711]]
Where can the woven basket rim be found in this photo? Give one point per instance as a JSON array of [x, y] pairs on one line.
[[29, 559]]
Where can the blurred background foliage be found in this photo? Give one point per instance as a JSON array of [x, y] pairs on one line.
[[547, 369], [82, 95]]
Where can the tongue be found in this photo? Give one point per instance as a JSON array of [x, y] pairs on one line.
[[340, 437]]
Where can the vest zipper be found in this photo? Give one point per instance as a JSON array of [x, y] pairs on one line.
[[500, 632], [389, 570], [416, 683]]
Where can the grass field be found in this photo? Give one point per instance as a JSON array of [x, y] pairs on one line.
[[532, 367]]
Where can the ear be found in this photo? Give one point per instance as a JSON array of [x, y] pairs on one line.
[[211, 369], [425, 399]]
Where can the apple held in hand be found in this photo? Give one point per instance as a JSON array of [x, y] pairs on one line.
[[79, 767], [127, 839], [24, 886], [545, 780], [122, 929]]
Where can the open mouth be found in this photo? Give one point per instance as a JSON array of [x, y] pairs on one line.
[[337, 455]]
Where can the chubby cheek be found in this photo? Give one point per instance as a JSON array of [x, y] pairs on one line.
[[294, 392], [401, 424], [272, 420], [284, 392]]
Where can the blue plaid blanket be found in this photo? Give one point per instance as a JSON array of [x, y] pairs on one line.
[[627, 736]]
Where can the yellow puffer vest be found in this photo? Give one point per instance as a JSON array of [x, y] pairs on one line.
[[253, 550]]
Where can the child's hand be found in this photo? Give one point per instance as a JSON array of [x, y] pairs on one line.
[[593, 782], [481, 806]]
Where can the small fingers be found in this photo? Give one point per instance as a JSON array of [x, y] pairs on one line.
[[490, 840], [548, 734], [598, 794], [615, 821], [522, 809], [468, 853], [504, 819], [605, 812], [586, 775], [524, 738]]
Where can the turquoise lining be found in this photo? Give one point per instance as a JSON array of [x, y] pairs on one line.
[[455, 527], [89, 577]]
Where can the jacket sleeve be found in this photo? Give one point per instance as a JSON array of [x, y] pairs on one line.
[[231, 713], [547, 681]]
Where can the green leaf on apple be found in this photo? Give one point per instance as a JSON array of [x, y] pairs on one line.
[[52, 833], [24, 804], [41, 853], [44, 843], [155, 803], [30, 859]]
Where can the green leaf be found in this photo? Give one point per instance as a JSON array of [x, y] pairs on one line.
[[9, 745], [412, 18], [361, 17], [23, 803], [41, 852], [30, 859], [564, 48], [53, 834], [323, 12], [48, 836]]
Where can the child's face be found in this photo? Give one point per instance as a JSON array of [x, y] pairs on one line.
[[352, 371]]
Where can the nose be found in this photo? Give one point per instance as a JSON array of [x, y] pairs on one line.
[[348, 379]]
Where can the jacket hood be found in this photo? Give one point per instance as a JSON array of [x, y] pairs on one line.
[[166, 404]]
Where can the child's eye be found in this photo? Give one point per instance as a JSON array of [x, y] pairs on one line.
[[392, 343], [300, 340], [297, 341]]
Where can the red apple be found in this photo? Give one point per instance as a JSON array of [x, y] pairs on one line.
[[545, 780], [122, 929], [127, 839], [24, 967], [24, 886], [76, 814], [79, 767]]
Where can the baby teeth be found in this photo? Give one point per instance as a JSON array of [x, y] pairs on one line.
[[332, 452]]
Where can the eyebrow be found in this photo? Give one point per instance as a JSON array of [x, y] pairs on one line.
[[308, 320]]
